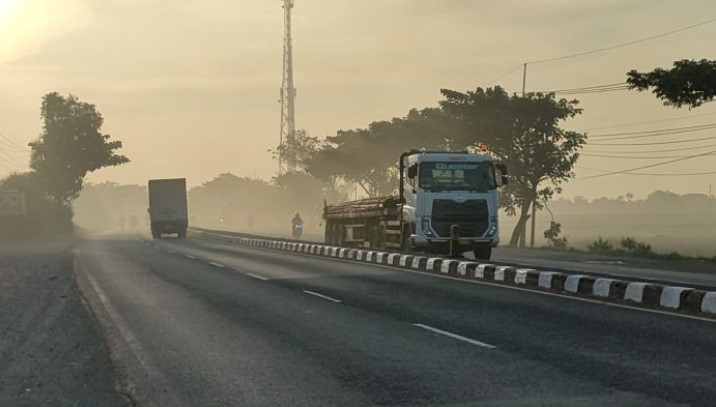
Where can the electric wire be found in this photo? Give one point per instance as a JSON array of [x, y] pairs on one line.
[[633, 124], [504, 75], [632, 157], [588, 89], [655, 143], [655, 174], [655, 132], [622, 45], [649, 166]]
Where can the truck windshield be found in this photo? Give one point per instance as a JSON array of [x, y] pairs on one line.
[[456, 176]]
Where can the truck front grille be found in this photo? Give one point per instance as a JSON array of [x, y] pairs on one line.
[[471, 216]]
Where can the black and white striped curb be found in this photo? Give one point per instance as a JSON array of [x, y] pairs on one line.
[[672, 298]]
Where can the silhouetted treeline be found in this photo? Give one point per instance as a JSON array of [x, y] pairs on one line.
[[227, 201], [655, 202]]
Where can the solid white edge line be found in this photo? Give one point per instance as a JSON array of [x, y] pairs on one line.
[[215, 264], [124, 331], [534, 290], [456, 336], [189, 256], [258, 277], [325, 297]]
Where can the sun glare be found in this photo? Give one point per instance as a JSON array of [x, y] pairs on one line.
[[6, 8]]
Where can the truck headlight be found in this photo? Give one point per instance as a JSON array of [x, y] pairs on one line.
[[492, 230], [426, 226]]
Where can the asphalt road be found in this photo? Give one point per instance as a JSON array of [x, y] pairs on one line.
[[201, 323], [693, 273]]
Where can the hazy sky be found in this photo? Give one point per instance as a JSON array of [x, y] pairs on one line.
[[191, 87]]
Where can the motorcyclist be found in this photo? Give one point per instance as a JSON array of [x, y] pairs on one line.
[[297, 225]]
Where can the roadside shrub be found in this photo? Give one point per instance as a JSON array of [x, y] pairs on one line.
[[43, 218], [632, 246], [601, 245]]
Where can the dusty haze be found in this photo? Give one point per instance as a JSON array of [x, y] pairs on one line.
[[191, 87]]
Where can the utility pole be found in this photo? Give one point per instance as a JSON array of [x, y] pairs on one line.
[[534, 202], [288, 94]]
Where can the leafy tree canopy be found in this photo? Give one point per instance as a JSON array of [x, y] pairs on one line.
[[525, 133], [689, 83], [369, 156], [70, 146]]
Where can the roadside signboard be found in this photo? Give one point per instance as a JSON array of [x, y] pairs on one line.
[[12, 203]]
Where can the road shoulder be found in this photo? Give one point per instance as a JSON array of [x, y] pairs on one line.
[[52, 351]]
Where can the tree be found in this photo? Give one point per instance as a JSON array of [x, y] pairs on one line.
[[369, 157], [689, 83], [297, 150], [552, 235], [524, 133], [356, 156], [70, 146]]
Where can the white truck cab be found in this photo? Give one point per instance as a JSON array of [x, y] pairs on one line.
[[451, 197]]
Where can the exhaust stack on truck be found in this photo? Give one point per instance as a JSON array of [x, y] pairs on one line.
[[447, 203], [167, 207]]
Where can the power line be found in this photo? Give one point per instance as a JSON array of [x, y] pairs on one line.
[[683, 174], [622, 45], [650, 166], [11, 158], [11, 143], [632, 156], [653, 133], [589, 89], [504, 74], [655, 143], [652, 151], [586, 92], [647, 122]]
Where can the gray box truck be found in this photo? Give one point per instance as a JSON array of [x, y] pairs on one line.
[[167, 207]]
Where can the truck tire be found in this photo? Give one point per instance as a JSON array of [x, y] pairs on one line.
[[482, 251]]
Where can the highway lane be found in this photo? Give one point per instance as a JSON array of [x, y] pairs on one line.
[[221, 325], [693, 273]]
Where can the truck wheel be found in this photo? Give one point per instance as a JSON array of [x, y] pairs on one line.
[[482, 251]]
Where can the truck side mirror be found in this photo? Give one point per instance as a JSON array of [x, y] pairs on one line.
[[501, 173], [413, 171]]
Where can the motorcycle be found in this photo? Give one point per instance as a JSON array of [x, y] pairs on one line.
[[297, 231]]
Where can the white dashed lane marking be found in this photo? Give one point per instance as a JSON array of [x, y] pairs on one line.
[[258, 277], [455, 336], [325, 297], [219, 265], [189, 256]]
